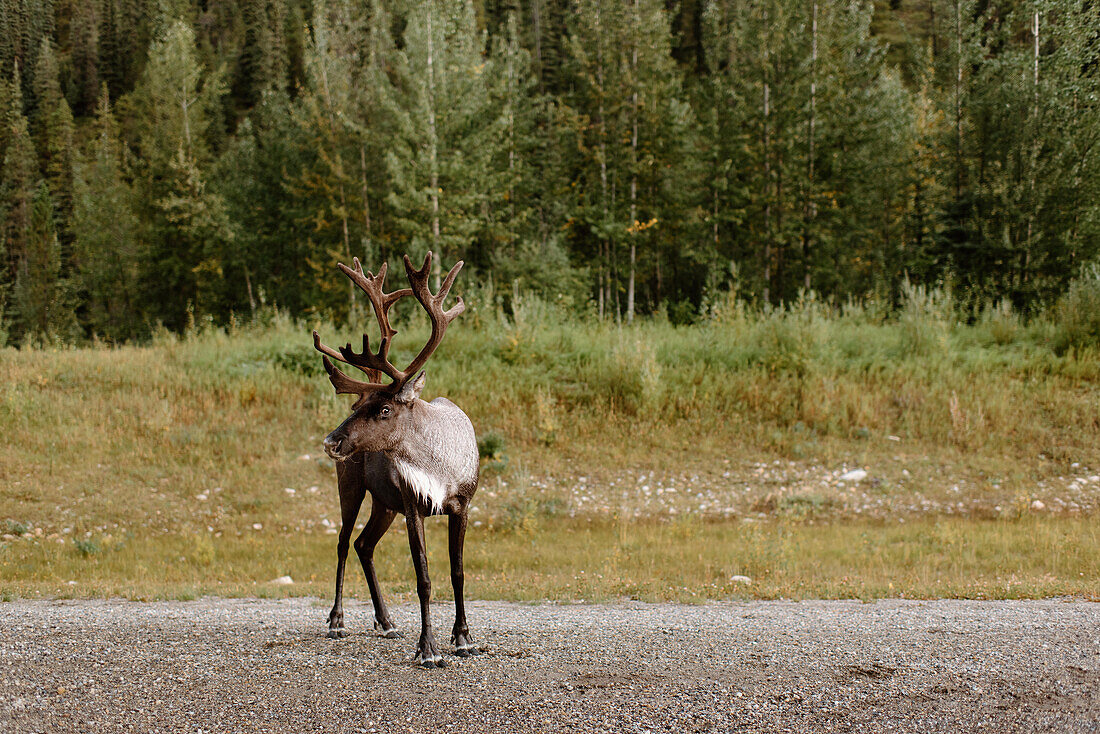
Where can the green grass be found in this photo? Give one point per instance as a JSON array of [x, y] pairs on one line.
[[596, 560], [141, 452]]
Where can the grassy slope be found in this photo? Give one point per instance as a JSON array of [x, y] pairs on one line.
[[160, 460]]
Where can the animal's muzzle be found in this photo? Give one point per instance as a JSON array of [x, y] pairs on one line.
[[336, 446]]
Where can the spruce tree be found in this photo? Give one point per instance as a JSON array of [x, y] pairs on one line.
[[440, 161], [262, 61], [106, 231], [636, 143], [53, 132], [328, 184], [176, 105], [40, 296], [84, 57], [18, 183]]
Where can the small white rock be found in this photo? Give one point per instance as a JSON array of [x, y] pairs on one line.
[[894, 438], [257, 526], [740, 579], [1038, 505], [282, 581], [855, 475], [304, 457], [289, 490]]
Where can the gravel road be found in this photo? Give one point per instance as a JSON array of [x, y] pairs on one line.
[[266, 666]]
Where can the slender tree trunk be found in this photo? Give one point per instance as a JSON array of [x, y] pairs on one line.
[[932, 26], [433, 154], [511, 115], [602, 147], [811, 203], [1036, 139], [340, 177], [248, 287], [767, 173], [344, 228], [366, 200], [958, 101], [536, 30], [633, 169]]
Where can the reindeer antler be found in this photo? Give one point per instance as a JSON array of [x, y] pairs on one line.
[[433, 304], [375, 364]]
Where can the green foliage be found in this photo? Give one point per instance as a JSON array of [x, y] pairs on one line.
[[14, 527], [107, 235], [40, 296], [490, 446], [1077, 313], [87, 546], [609, 158], [925, 320]]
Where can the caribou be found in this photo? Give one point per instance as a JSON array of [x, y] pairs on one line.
[[414, 458]]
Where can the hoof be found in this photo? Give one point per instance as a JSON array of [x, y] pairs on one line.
[[337, 633], [393, 634], [466, 651], [432, 662]]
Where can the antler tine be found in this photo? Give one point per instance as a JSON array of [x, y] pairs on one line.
[[323, 349], [377, 363], [432, 303], [374, 364], [371, 284], [346, 385], [339, 380]]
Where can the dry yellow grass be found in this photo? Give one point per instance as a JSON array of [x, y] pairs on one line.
[[562, 558]]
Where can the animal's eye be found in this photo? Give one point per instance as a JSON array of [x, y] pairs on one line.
[[385, 412]]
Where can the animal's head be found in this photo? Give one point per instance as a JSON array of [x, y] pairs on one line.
[[383, 413]]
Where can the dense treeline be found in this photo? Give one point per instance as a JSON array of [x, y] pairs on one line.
[[165, 160]]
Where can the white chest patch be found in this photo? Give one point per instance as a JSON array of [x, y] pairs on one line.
[[426, 486]]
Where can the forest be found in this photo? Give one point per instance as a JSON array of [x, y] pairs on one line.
[[169, 161]]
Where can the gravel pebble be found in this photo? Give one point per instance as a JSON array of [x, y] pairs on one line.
[[266, 666]]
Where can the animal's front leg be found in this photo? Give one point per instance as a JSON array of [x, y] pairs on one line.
[[427, 654], [351, 499], [336, 616], [460, 635]]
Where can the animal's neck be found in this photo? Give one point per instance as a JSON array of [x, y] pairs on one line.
[[422, 445]]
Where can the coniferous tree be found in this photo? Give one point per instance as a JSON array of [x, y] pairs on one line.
[[40, 297], [53, 133], [84, 57], [634, 125], [262, 61], [18, 183], [271, 234], [440, 161], [328, 184], [106, 231], [176, 105], [125, 28]]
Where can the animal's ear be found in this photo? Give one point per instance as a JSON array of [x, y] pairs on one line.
[[411, 390]]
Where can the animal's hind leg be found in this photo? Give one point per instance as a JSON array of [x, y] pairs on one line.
[[377, 525], [460, 635], [351, 499]]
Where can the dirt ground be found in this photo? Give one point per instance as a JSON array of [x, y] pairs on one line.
[[266, 666]]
